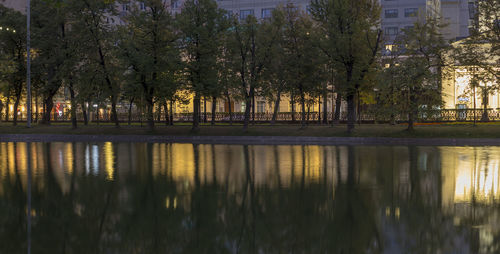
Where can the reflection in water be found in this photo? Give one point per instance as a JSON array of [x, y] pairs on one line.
[[184, 198]]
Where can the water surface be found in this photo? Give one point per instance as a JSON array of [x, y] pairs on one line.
[[185, 198]]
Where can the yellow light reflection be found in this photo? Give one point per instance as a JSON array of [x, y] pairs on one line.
[[109, 160], [475, 172], [69, 158]]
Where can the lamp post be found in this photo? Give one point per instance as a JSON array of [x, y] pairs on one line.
[[28, 63]]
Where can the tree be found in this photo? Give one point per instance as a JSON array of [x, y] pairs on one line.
[[96, 37], [200, 23], [12, 56], [416, 69], [149, 51], [303, 62], [252, 44], [55, 53], [273, 85], [479, 54], [351, 42], [227, 76]]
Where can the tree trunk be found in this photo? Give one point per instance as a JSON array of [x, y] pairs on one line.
[[85, 114], [114, 113], [158, 113], [171, 113], [98, 116], [351, 112], [319, 110], [413, 111], [149, 112], [303, 105], [338, 103], [205, 109], [325, 105], [253, 109], [485, 117], [248, 106], [49, 104], [16, 105], [1, 108], [230, 109], [358, 108], [276, 107], [165, 110], [74, 124], [36, 107], [7, 109], [214, 105], [292, 101], [196, 112], [131, 103]]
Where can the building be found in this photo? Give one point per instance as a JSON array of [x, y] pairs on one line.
[[457, 16], [19, 5], [402, 14]]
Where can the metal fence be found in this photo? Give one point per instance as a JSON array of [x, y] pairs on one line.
[[443, 115]]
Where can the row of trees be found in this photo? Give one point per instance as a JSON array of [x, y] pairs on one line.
[[150, 58]]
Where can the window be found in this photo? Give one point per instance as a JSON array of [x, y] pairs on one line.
[[391, 30], [267, 13], [228, 14], [142, 6], [125, 7], [391, 47], [245, 13], [411, 12], [261, 106], [174, 4], [391, 13], [408, 28], [472, 10]]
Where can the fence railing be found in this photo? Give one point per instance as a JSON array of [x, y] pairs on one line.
[[438, 115]]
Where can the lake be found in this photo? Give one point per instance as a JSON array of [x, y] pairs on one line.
[[189, 198]]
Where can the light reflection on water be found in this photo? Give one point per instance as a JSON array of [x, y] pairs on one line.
[[185, 198]]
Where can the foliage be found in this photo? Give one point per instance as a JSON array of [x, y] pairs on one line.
[[412, 80], [149, 54], [351, 41]]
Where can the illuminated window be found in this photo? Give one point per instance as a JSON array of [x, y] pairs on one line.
[[391, 47]]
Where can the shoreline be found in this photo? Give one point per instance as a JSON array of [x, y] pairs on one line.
[[251, 140]]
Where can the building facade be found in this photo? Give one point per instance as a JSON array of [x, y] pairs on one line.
[[18, 5]]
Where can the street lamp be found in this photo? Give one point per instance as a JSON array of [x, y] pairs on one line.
[[28, 63]]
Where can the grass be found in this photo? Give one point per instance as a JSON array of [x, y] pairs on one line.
[[441, 130]]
